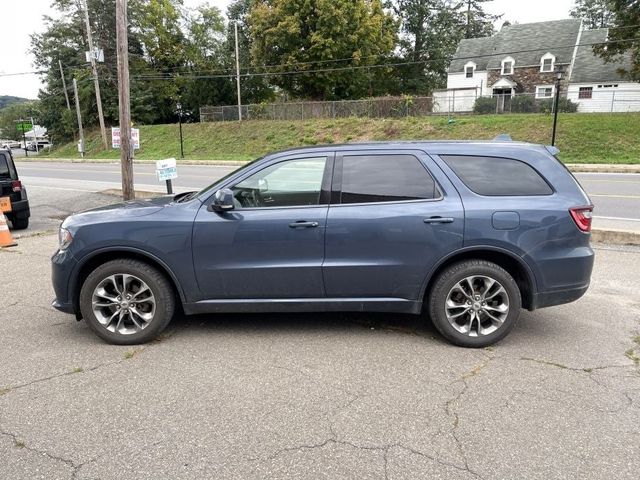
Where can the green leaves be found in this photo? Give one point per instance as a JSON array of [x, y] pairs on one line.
[[321, 37]]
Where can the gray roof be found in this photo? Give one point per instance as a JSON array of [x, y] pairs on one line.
[[526, 43], [590, 68]]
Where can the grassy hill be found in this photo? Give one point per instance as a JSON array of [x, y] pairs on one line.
[[582, 138], [6, 100]]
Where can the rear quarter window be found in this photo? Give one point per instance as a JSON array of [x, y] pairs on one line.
[[497, 176], [4, 166]]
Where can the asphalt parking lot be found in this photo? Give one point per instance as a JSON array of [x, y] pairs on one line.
[[315, 396]]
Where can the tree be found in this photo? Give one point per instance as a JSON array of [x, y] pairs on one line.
[[594, 13], [624, 37], [430, 34], [254, 89], [478, 23], [315, 35]]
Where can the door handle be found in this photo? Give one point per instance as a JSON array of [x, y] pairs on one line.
[[433, 220], [303, 224]]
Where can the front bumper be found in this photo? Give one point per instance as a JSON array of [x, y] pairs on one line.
[[63, 264]]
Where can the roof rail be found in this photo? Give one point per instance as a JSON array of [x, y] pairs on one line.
[[503, 137]]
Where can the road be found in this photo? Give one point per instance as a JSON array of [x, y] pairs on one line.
[[302, 396], [616, 196]]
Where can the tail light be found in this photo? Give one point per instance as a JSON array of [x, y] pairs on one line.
[[582, 217], [16, 186]]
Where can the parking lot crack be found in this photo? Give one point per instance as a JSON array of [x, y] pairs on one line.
[[452, 411], [20, 443]]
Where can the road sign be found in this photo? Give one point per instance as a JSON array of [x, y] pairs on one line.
[[135, 137], [23, 126], [166, 169]]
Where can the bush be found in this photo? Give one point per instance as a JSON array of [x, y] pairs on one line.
[[485, 105], [523, 104], [564, 106]]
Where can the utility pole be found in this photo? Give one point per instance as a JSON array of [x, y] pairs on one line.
[[122, 48], [35, 135], [92, 57], [79, 115], [235, 25], [64, 86]]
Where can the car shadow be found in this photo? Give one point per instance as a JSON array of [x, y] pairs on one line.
[[303, 323]]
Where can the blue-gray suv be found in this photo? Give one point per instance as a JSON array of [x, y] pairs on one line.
[[467, 233]]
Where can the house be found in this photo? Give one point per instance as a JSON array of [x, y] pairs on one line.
[[525, 60]]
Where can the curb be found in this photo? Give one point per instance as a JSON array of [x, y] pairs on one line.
[[620, 237], [142, 194], [602, 168], [574, 167], [225, 163]]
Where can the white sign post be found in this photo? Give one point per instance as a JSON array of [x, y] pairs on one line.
[[166, 170]]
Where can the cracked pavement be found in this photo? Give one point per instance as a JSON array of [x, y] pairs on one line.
[[318, 396]]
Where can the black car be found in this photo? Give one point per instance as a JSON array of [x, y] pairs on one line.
[[13, 193]]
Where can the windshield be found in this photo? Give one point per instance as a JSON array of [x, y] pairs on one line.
[[214, 186]]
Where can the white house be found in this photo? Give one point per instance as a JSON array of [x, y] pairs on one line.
[[524, 60]]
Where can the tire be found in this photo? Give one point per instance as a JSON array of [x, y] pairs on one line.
[[20, 223], [154, 309], [464, 329]]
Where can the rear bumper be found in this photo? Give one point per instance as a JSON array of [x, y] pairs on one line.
[[559, 297]]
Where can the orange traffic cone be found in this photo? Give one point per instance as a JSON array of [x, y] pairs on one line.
[[6, 240]]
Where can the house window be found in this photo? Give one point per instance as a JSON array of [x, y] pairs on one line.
[[469, 69], [547, 63], [507, 66], [585, 92], [544, 91]]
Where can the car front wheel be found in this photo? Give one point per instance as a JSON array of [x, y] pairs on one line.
[[127, 302], [474, 303]]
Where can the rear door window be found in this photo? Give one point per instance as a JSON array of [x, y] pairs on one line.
[[385, 178], [497, 176]]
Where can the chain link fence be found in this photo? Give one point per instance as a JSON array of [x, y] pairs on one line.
[[445, 102], [383, 107]]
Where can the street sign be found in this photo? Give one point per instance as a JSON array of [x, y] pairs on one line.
[[135, 137], [166, 169], [23, 126]]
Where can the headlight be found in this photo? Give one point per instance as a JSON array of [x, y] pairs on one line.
[[64, 238]]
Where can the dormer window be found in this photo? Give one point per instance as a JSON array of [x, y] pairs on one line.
[[469, 69], [547, 63], [507, 66]]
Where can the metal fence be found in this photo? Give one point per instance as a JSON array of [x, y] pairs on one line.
[[595, 99], [382, 107], [445, 102]]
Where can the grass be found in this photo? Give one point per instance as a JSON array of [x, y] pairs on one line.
[[582, 138]]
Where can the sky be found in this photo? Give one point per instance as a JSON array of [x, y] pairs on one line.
[[20, 22]]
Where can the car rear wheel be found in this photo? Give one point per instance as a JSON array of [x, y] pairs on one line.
[[474, 303], [127, 302], [20, 223]]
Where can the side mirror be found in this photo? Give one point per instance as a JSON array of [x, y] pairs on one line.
[[263, 185], [222, 200]]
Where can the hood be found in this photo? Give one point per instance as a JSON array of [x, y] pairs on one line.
[[119, 211]]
